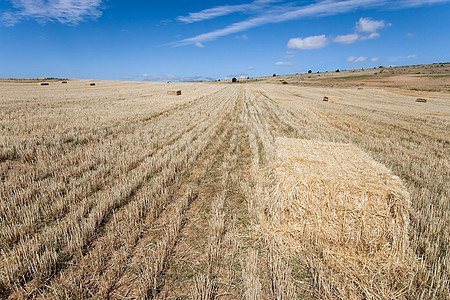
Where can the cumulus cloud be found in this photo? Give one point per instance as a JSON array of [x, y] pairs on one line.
[[200, 45], [62, 11], [375, 59], [309, 43], [284, 63], [365, 29], [250, 68], [347, 39], [368, 25], [354, 59]]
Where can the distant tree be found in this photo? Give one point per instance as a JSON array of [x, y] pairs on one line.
[[380, 67], [309, 71], [248, 77], [274, 75], [234, 79], [337, 71]]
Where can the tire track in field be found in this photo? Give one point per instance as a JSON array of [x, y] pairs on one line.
[[42, 178], [92, 222], [134, 285], [106, 279], [200, 249]]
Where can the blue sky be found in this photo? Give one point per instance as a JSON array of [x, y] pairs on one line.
[[201, 40]]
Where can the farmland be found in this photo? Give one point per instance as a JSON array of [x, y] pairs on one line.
[[121, 191]]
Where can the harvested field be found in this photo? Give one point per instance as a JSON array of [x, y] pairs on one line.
[[124, 192]]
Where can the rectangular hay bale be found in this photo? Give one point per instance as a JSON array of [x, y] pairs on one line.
[[349, 213], [176, 93]]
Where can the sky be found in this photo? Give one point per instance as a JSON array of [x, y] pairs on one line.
[[175, 40]]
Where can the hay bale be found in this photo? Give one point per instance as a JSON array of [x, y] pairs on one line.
[[325, 98], [176, 93], [422, 100], [347, 213], [64, 82], [92, 84], [45, 83]]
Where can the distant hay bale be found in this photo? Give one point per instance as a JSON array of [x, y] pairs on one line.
[[176, 93], [422, 100], [64, 82], [45, 83], [347, 214], [325, 98], [92, 84]]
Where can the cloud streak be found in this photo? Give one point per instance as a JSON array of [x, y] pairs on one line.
[[274, 12], [175, 78], [284, 63], [408, 57], [62, 11], [353, 59], [224, 10]]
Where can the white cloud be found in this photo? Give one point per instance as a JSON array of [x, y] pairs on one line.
[[375, 59], [211, 13], [309, 43], [172, 77], [224, 10], [63, 11], [200, 45], [269, 12], [238, 75], [370, 36], [408, 57], [354, 59], [368, 25], [250, 68], [284, 63], [346, 39]]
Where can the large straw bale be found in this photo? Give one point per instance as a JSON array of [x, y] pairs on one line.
[[176, 93], [347, 213]]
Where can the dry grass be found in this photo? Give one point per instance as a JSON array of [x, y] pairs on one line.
[[122, 191], [409, 138]]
